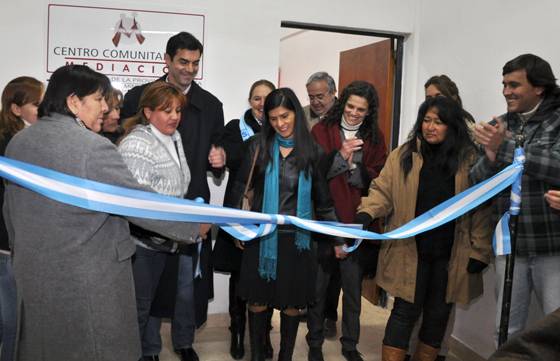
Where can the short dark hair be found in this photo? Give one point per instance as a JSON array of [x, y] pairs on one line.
[[67, 80], [539, 72], [183, 40]]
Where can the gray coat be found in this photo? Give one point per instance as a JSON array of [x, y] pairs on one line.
[[72, 266]]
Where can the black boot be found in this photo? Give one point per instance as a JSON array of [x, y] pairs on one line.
[[268, 350], [237, 311], [288, 333], [237, 348], [257, 330]]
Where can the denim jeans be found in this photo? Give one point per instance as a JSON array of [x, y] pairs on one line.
[[183, 324], [7, 308], [538, 273]]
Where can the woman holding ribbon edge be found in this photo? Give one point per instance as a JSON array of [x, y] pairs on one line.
[[279, 270], [75, 292], [428, 273]]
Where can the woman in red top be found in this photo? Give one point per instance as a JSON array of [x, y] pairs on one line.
[[355, 146]]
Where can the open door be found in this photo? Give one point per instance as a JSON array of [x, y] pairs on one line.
[[373, 63]]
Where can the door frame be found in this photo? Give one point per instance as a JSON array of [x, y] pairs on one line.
[[398, 39]]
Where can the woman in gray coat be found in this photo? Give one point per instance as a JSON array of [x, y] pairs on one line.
[[72, 266]]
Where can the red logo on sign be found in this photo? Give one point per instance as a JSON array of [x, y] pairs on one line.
[[129, 27]]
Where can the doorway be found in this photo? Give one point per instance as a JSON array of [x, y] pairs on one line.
[[347, 54]]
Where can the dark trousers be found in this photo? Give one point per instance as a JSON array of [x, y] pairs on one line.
[[332, 295], [351, 280], [431, 287]]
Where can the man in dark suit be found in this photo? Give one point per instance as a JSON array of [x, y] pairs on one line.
[[202, 121]]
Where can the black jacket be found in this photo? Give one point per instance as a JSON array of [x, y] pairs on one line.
[[226, 257], [202, 123], [323, 206]]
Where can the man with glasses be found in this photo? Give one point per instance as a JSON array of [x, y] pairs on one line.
[[321, 90]]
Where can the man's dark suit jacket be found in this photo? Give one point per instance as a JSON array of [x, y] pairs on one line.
[[202, 123]]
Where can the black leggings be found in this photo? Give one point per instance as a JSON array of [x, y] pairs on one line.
[[431, 287]]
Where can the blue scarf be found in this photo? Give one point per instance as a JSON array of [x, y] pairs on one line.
[[244, 129], [269, 244]]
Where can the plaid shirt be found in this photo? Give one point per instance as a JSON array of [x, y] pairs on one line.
[[539, 225]]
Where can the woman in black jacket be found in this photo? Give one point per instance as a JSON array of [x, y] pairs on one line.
[[279, 270], [227, 250]]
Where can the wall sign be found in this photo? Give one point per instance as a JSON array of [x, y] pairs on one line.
[[126, 45]]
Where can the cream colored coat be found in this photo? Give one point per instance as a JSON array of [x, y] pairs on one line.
[[390, 196]]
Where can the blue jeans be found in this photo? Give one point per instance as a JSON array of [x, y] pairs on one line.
[[538, 273], [7, 308], [148, 266]]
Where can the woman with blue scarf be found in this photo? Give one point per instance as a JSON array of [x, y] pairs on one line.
[[227, 252], [279, 270]]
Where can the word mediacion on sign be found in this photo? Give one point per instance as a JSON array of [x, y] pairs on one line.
[[114, 60]]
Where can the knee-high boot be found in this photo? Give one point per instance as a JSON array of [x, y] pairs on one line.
[[257, 330], [268, 350], [237, 312], [425, 352], [390, 353], [288, 333], [237, 329]]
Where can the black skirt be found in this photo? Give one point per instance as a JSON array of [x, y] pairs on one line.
[[296, 274]]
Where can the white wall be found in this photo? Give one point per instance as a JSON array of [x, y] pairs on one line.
[[304, 52], [471, 41], [241, 37], [241, 43]]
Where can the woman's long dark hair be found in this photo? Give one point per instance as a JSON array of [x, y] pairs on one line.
[[304, 150], [457, 143], [369, 130]]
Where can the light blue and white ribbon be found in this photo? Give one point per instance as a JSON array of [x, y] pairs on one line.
[[502, 239], [243, 225]]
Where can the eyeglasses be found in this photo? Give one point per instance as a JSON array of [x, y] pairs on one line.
[[318, 97]]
